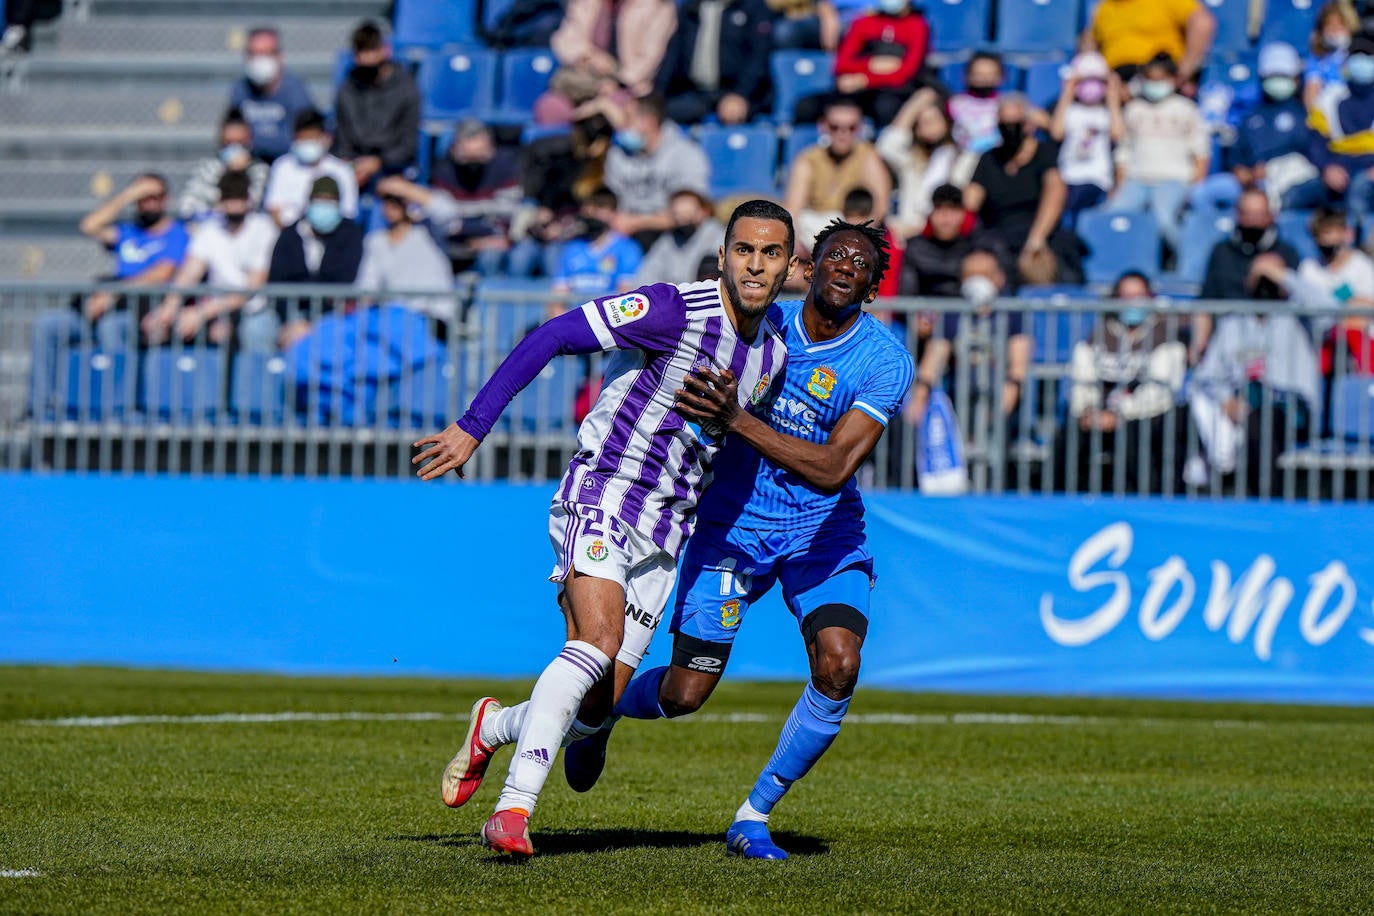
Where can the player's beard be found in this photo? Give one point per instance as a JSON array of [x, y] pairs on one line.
[[744, 309]]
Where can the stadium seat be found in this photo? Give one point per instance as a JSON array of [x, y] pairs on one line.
[[958, 24], [742, 158], [1036, 25], [425, 398], [1352, 409], [94, 387], [503, 310], [1199, 234], [435, 23], [257, 389], [796, 75], [182, 386], [1231, 18], [1057, 327], [525, 74], [432, 146], [1293, 229], [1288, 21], [1044, 81], [546, 405], [1119, 242], [493, 10], [802, 136], [458, 84]]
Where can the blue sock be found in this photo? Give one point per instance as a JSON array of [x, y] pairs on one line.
[[640, 699], [809, 730]]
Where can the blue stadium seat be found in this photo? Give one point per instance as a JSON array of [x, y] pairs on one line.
[[493, 10], [458, 84], [1044, 81], [93, 387], [425, 398], [1057, 328], [1199, 234], [1036, 25], [742, 158], [525, 74], [1231, 16], [958, 24], [435, 23], [257, 389], [802, 136], [1352, 409], [1289, 21], [500, 319], [796, 75], [432, 147], [1293, 229], [182, 386], [1119, 242]]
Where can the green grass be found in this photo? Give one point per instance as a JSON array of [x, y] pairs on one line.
[[1144, 808]]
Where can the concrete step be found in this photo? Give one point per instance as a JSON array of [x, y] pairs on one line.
[[249, 9], [66, 257], [37, 181], [160, 71], [36, 217], [44, 106], [85, 143], [208, 34]]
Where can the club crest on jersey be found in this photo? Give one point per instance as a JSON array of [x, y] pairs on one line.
[[760, 390], [729, 614], [597, 551], [822, 382], [622, 310]]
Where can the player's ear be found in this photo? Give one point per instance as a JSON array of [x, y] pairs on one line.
[[720, 259], [872, 294], [792, 268], [808, 270]]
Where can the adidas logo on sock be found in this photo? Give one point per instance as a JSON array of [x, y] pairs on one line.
[[538, 755]]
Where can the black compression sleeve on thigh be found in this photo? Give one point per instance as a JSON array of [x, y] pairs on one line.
[[834, 615], [699, 655]]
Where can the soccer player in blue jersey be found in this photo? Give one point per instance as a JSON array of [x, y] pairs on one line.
[[785, 509]]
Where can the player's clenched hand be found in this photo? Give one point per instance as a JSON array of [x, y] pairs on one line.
[[709, 397], [445, 451]]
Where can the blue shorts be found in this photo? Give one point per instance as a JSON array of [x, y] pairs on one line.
[[725, 570]]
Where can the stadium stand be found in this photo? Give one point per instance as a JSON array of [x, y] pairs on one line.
[[796, 75], [742, 159], [959, 25], [1036, 25], [435, 23]]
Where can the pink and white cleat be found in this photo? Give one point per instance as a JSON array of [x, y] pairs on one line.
[[464, 773], [508, 832]]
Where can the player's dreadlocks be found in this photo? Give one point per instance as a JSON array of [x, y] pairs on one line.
[[868, 230]]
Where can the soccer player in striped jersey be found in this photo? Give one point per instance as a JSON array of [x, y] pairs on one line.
[[627, 502], [786, 509]]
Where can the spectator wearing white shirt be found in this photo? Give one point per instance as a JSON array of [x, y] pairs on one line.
[[293, 175], [919, 147], [404, 257], [1087, 121], [231, 252]]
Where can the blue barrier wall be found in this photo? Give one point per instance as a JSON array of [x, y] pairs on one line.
[[1010, 595]]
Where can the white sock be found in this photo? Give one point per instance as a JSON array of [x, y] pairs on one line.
[[552, 707], [746, 812], [504, 727]]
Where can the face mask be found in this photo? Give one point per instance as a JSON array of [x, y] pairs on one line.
[[232, 153], [1337, 42], [1359, 69], [323, 216], [1328, 252], [308, 151], [1279, 88], [630, 140], [979, 290], [148, 218], [892, 7], [469, 174], [683, 234], [982, 92], [1156, 90], [1250, 235], [1012, 137], [234, 220], [592, 228], [1091, 92], [1132, 318], [261, 70], [365, 74]]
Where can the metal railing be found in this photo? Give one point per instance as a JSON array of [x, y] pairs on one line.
[[370, 376]]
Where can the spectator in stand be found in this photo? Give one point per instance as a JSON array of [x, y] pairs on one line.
[[557, 172], [713, 64], [1019, 196], [696, 234], [377, 110], [651, 156], [1272, 145], [322, 247], [403, 256], [974, 111], [619, 40], [1164, 152], [795, 25], [1087, 121], [600, 260], [1123, 384], [1343, 122], [1333, 29], [917, 146], [198, 198], [269, 96], [231, 252], [880, 61], [483, 183], [1132, 33], [294, 174], [821, 175], [933, 262], [1340, 274]]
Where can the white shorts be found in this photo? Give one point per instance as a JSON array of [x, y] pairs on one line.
[[585, 538]]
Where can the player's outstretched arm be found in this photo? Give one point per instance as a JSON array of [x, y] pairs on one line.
[[445, 451], [711, 396]]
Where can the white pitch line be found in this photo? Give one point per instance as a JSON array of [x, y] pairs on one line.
[[244, 718], [20, 873]]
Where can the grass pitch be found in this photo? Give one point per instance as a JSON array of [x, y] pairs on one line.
[[925, 804]]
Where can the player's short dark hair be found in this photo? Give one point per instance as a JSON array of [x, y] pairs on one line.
[[654, 105], [1131, 275], [1327, 218], [308, 119], [836, 100], [858, 202], [234, 186], [985, 55], [367, 37], [602, 197], [947, 195], [762, 209], [875, 235]]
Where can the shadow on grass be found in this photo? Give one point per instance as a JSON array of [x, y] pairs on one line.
[[557, 842]]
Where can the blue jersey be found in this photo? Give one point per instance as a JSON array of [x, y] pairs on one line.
[[591, 271], [136, 249], [867, 368]]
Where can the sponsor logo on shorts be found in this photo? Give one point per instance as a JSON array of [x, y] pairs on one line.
[[822, 382], [729, 614], [705, 664], [622, 310], [538, 755], [597, 551]]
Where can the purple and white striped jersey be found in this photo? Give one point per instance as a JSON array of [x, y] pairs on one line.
[[637, 458]]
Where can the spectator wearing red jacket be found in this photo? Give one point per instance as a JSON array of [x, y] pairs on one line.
[[879, 61]]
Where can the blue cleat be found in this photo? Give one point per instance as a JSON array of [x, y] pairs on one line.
[[751, 840], [584, 760]]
